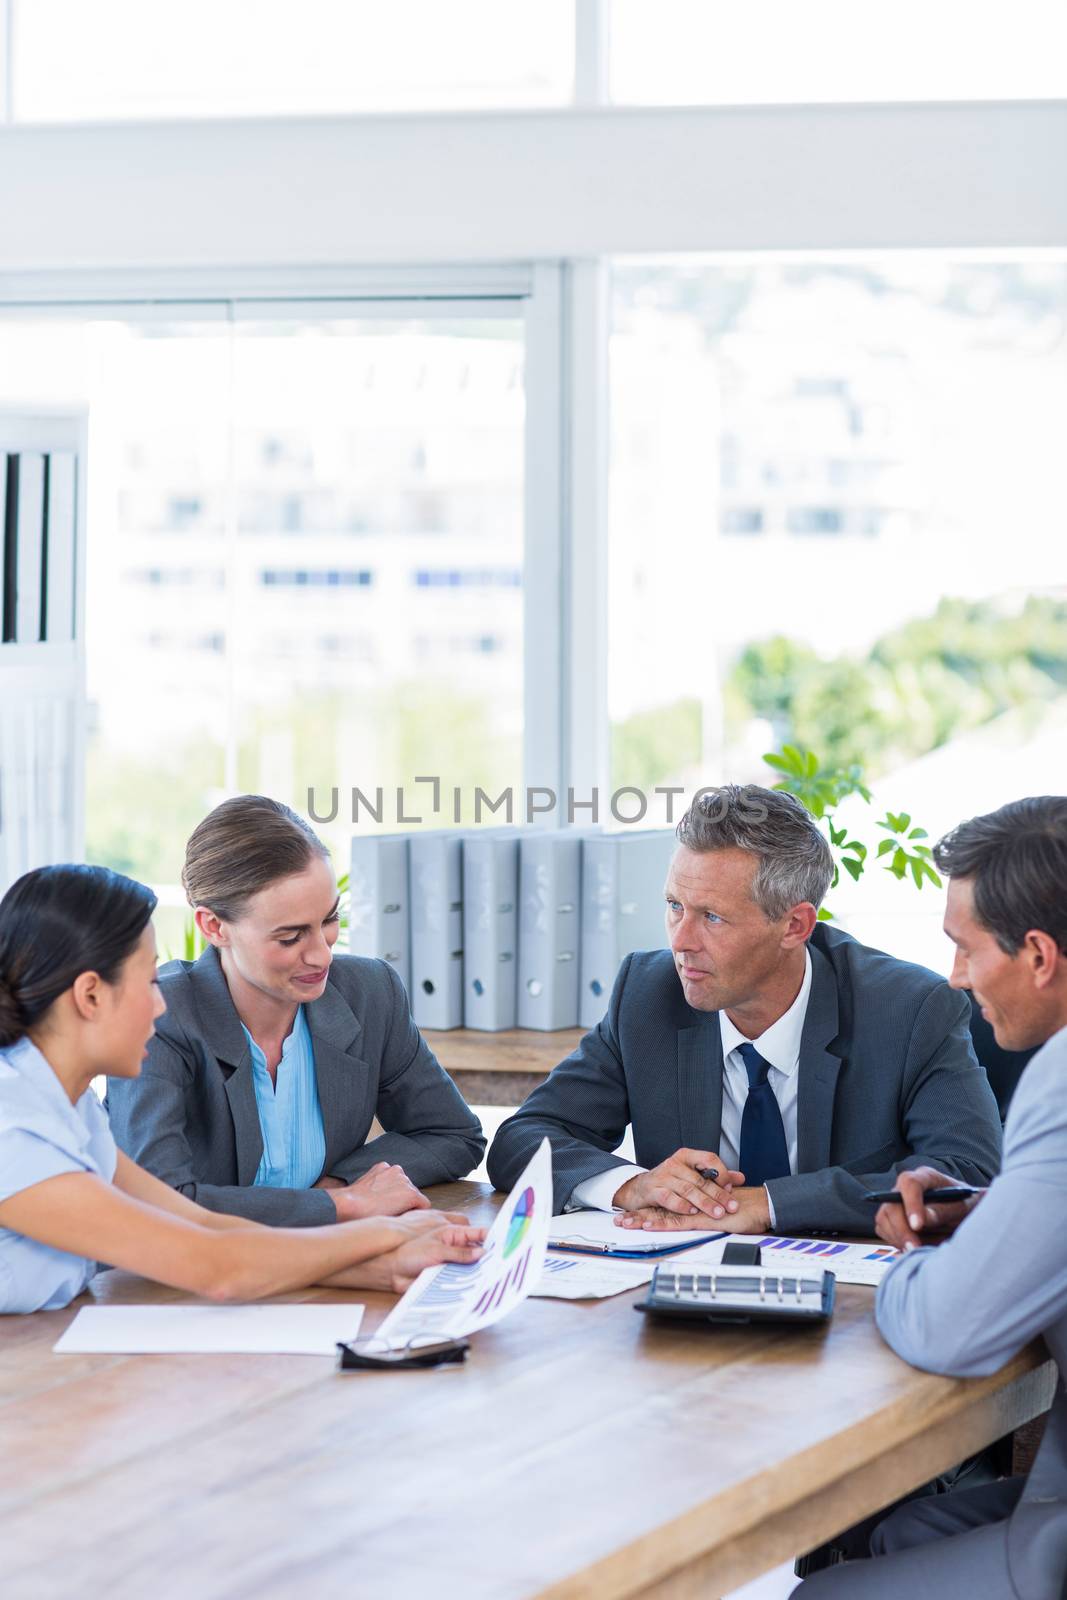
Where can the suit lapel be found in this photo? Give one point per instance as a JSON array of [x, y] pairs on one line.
[[700, 1084], [223, 1035], [343, 1079], [247, 1130], [818, 1069]]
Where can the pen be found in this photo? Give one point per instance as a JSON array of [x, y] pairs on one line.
[[710, 1173], [893, 1197]]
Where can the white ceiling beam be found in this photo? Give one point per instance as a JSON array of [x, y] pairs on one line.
[[523, 186]]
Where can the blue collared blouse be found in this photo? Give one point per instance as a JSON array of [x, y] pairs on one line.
[[290, 1116], [41, 1136]]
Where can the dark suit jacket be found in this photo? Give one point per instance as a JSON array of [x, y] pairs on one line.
[[191, 1117], [888, 1080]]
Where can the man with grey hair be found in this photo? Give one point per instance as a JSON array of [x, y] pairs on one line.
[[765, 1047]]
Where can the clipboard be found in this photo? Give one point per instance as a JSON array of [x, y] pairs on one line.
[[593, 1233]]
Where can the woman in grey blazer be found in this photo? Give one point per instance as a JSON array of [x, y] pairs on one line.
[[274, 1055]]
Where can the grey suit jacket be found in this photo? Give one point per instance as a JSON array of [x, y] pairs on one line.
[[967, 1307], [887, 1080], [191, 1117]]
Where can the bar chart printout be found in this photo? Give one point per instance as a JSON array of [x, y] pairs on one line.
[[850, 1263], [459, 1297]]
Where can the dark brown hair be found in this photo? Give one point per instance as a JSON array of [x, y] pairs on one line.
[[1016, 859], [795, 864], [56, 923], [241, 847]]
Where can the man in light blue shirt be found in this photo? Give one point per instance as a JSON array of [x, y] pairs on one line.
[[1000, 1280]]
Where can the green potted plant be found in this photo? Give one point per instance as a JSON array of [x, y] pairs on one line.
[[822, 790]]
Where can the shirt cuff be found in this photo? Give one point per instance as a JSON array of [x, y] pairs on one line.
[[598, 1194], [770, 1212]]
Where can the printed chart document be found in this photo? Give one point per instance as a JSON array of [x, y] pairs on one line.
[[595, 1233], [459, 1297], [589, 1277], [849, 1263], [300, 1330]]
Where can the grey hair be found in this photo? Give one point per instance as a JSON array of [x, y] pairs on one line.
[[795, 864]]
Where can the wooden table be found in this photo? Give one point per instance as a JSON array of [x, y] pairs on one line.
[[500, 1069], [581, 1454]]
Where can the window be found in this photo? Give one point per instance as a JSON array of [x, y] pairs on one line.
[[226, 650], [687, 52], [887, 437], [393, 435], [86, 60]]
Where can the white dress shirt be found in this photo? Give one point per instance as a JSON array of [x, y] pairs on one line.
[[779, 1045]]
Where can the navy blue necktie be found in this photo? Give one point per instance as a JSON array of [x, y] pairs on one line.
[[764, 1153]]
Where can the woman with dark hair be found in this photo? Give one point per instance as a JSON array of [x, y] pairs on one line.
[[79, 997], [275, 1057]]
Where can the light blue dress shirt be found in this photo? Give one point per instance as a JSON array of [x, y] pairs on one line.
[[290, 1116], [41, 1136]]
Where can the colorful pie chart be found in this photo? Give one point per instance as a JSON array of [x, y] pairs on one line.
[[519, 1226]]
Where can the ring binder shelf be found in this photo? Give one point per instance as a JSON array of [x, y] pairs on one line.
[[499, 928]]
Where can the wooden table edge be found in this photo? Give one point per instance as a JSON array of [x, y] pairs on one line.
[[840, 1487], [815, 1494]]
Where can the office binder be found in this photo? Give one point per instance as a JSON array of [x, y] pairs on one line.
[[623, 875], [435, 860], [490, 928], [550, 882], [60, 547], [7, 556], [378, 903], [30, 547], [738, 1295]]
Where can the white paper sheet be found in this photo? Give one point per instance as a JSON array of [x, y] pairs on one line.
[[596, 1231], [849, 1263], [295, 1330], [457, 1298], [589, 1277]]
